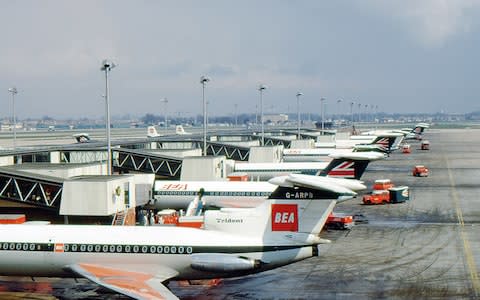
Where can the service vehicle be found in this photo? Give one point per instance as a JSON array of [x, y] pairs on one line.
[[420, 171]]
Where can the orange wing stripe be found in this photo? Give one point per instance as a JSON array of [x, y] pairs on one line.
[[133, 282]]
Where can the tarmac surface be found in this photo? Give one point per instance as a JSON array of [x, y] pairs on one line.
[[428, 247]]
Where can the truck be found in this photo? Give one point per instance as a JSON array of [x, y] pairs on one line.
[[392, 195]]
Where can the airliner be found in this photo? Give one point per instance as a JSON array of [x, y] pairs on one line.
[[385, 142], [344, 170], [388, 141], [137, 260], [322, 154], [265, 171], [415, 133]]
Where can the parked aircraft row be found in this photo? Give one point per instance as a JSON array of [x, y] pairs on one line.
[[383, 142], [344, 170], [415, 133], [136, 260]]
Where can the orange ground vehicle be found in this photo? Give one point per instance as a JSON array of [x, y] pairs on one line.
[[377, 197], [382, 184], [171, 217], [406, 149], [420, 171], [392, 195], [339, 221]]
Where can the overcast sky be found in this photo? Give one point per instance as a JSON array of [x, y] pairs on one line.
[[404, 56]]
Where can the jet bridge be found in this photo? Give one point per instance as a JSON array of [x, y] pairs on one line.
[[229, 151], [30, 189], [273, 141], [141, 161]]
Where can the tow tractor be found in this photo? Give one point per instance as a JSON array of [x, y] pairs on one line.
[[339, 221], [377, 197], [420, 171]]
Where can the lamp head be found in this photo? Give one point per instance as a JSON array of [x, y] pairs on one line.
[[262, 87], [204, 79], [299, 94], [13, 90], [107, 65]]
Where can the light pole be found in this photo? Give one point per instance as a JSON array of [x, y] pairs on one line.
[[351, 111], [107, 66], [14, 91], [366, 113], [165, 101], [372, 113], [298, 113], [261, 88], [203, 81], [359, 112], [236, 117], [338, 108], [322, 100]]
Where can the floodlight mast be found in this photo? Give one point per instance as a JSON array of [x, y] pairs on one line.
[[107, 66], [298, 114], [203, 80], [14, 91], [261, 88], [322, 101], [165, 101]]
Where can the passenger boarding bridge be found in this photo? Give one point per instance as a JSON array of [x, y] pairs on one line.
[[129, 155]]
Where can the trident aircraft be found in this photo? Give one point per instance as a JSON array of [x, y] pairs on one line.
[[344, 170], [136, 260], [265, 171], [415, 133], [383, 143]]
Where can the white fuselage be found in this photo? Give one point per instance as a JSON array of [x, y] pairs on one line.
[[178, 194], [312, 154], [349, 143], [265, 171], [241, 194], [46, 250]]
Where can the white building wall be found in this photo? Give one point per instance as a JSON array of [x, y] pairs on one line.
[[98, 196], [271, 154], [203, 168]]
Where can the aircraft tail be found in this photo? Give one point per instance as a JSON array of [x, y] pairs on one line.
[[384, 142], [82, 137], [302, 204], [297, 210], [152, 131], [351, 165], [419, 129], [179, 130]]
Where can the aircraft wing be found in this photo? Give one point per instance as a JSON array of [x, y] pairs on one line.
[[129, 279]]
